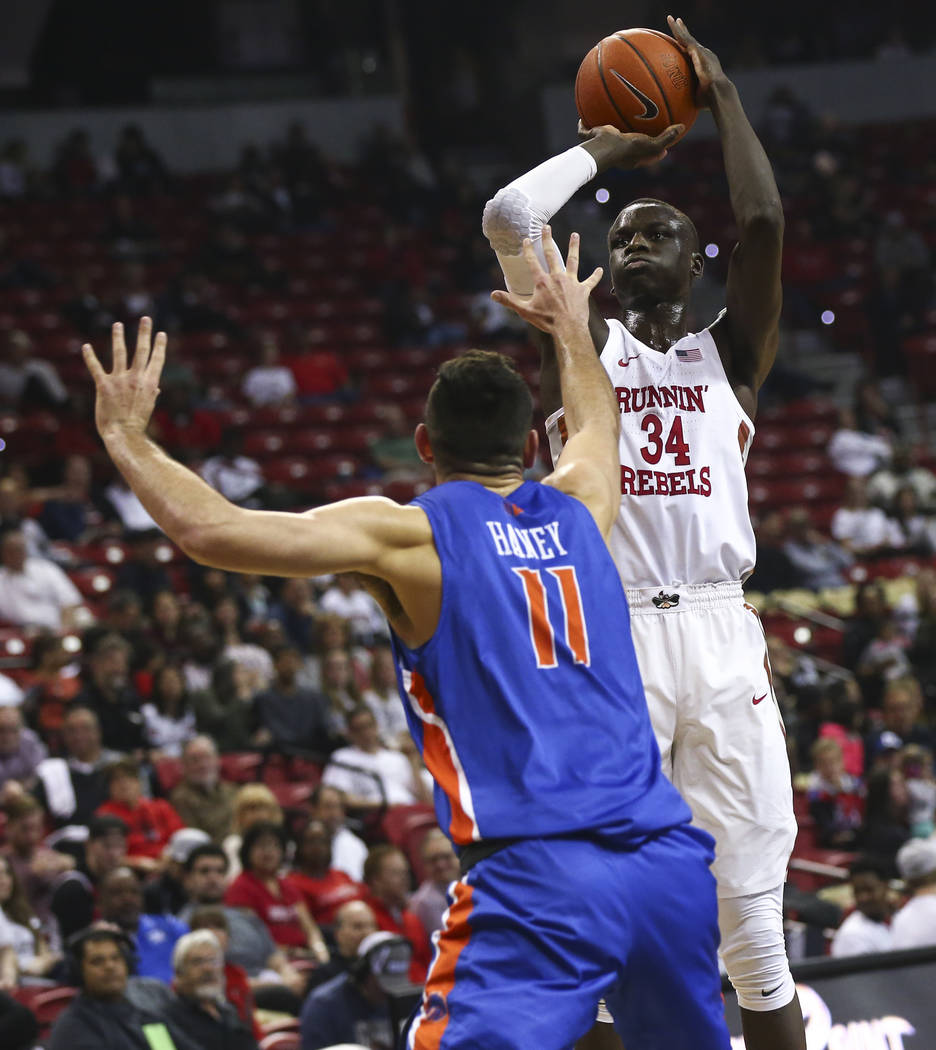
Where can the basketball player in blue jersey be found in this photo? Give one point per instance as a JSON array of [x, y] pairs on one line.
[[683, 542], [582, 875]]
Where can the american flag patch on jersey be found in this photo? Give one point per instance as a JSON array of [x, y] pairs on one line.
[[693, 353]]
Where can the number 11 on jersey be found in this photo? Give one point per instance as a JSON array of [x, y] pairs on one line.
[[542, 633]]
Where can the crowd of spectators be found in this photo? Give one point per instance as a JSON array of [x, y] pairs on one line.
[[177, 667]]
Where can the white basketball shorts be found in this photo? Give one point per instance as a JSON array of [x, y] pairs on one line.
[[703, 659]]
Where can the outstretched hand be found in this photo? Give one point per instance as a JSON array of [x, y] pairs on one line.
[[613, 148], [707, 67], [559, 303], [127, 395]]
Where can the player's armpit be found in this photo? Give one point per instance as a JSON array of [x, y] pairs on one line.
[[590, 480]]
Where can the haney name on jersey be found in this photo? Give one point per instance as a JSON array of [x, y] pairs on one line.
[[640, 398], [539, 544]]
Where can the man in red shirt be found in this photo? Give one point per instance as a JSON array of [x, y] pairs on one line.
[[151, 821], [388, 881]]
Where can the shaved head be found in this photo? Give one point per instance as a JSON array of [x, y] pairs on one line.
[[680, 216]]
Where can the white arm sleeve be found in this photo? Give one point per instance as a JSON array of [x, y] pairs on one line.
[[526, 205]]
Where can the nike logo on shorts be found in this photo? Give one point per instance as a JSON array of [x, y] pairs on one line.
[[757, 699]]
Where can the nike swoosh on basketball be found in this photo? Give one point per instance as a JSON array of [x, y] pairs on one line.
[[625, 361], [757, 699], [651, 109], [780, 985]]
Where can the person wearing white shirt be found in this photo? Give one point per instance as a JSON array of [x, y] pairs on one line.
[[854, 452], [914, 926], [35, 592], [345, 598], [885, 483], [269, 383], [371, 775], [860, 528], [383, 697], [348, 851], [235, 476], [866, 929]]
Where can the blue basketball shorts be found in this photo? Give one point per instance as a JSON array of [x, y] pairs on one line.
[[539, 931]]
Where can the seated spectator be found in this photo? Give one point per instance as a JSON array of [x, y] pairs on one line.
[[856, 452], [355, 1005], [111, 696], [125, 507], [21, 930], [227, 617], [394, 452], [319, 373], [372, 776], [260, 888], [187, 431], [912, 532], [15, 499], [348, 599], [296, 610], [165, 894], [253, 803], [21, 752], [867, 929], [37, 867], [388, 880], [884, 659], [51, 684], [165, 624], [861, 529], [819, 562], [842, 719], [836, 799], [143, 572], [123, 615], [916, 765], [268, 383], [201, 798], [72, 787], [237, 989], [901, 712], [74, 513], [34, 591], [914, 925], [168, 719], [150, 821], [120, 901], [291, 715], [323, 888], [773, 569], [887, 822], [338, 686], [903, 472], [250, 945], [382, 696], [74, 900], [140, 169], [101, 1017], [237, 477], [27, 383], [430, 901], [226, 710], [353, 922], [348, 852], [199, 1008], [873, 415], [871, 613], [19, 1028]]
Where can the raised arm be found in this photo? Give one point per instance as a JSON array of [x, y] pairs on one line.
[[370, 535], [589, 467], [748, 333], [521, 209]]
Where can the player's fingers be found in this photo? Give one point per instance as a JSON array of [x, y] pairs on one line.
[[118, 347], [689, 39], [551, 251], [93, 365], [593, 279], [143, 344], [669, 135], [158, 357], [505, 299], [572, 259], [529, 253]]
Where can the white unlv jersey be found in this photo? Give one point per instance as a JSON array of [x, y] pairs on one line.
[[684, 443]]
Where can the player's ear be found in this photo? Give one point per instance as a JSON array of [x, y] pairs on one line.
[[530, 449], [696, 265], [423, 447]]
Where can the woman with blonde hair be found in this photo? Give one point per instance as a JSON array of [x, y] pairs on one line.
[[252, 803]]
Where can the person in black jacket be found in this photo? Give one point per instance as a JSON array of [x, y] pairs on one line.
[[18, 1025]]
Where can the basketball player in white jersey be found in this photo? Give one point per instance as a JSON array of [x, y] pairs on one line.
[[683, 540]]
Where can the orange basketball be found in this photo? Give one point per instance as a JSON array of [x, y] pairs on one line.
[[637, 80]]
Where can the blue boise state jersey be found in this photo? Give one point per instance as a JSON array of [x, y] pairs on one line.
[[527, 702]]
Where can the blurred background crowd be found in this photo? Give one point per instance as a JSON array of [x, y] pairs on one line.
[[183, 749]]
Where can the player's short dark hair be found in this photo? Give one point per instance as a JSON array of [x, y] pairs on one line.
[[478, 413], [680, 215], [206, 849], [869, 865]]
